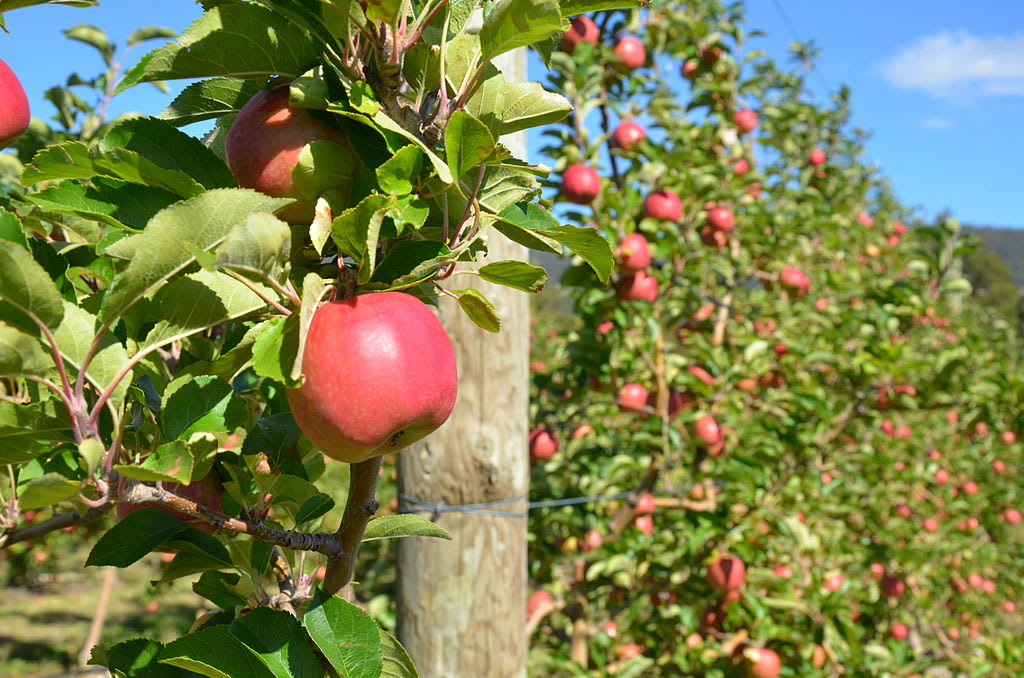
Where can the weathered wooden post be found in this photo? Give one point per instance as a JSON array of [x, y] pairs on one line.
[[461, 604]]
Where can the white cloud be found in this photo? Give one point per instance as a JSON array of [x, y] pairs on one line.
[[936, 123], [958, 65]]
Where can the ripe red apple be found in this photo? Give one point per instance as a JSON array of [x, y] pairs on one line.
[[689, 69], [1009, 437], [639, 286], [634, 253], [898, 631], [645, 504], [720, 218], [626, 135], [1011, 516], [14, 111], [942, 476], [893, 586], [582, 431], [794, 281], [998, 465], [726, 573], [645, 524], [865, 220], [581, 184], [762, 662], [818, 657], [816, 157], [592, 540], [701, 374], [264, 142], [630, 54], [539, 600], [664, 205], [745, 119], [207, 492], [707, 431], [969, 488], [741, 167], [380, 374], [543, 443], [629, 650], [930, 525], [632, 398], [834, 582], [611, 629], [582, 29], [784, 571], [710, 54]]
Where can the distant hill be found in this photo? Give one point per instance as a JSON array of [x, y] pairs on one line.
[[1008, 243]]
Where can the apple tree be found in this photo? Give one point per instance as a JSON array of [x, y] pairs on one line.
[[189, 326]]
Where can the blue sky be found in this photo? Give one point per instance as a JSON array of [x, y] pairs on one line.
[[939, 84]]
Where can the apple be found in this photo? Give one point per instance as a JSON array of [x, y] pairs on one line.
[[380, 374], [899, 228], [720, 218], [207, 492], [629, 650], [784, 571], [677, 402], [741, 167], [893, 587], [543, 443], [834, 582], [710, 54], [898, 631], [713, 237], [1009, 606], [634, 253], [611, 629], [816, 157], [626, 135], [701, 374], [630, 54], [794, 281], [581, 29], [689, 69], [707, 431], [942, 476], [762, 662], [1011, 516], [969, 488], [1008, 437], [865, 220], [877, 570], [539, 600], [664, 204], [264, 142], [726, 573], [581, 431], [998, 465], [592, 540], [818, 657], [581, 184], [14, 110], [639, 286], [645, 504], [645, 524], [930, 525], [745, 119], [632, 398]]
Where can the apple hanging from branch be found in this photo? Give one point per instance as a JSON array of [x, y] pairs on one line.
[[14, 111]]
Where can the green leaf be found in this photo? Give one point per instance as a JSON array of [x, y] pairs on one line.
[[133, 537], [241, 40], [397, 174], [479, 309], [219, 589], [214, 652], [171, 462], [149, 33], [402, 525], [26, 285], [47, 490], [136, 658], [313, 508], [325, 165], [356, 231], [518, 23], [92, 36], [28, 430], [410, 262], [517, 274], [383, 10], [209, 99], [467, 141], [278, 640], [348, 638], [10, 228], [397, 663], [75, 335], [587, 243], [507, 107], [277, 345], [70, 197], [158, 252], [573, 7], [201, 403], [21, 354]]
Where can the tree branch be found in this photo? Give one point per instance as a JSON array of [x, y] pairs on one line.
[[360, 507]]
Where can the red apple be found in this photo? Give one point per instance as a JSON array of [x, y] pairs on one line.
[[720, 218], [582, 431], [784, 571], [969, 488], [893, 587], [707, 431], [816, 157], [794, 281], [632, 398], [745, 119], [634, 253], [639, 286], [942, 476], [14, 111], [207, 492], [664, 205], [741, 167], [726, 573], [645, 504], [592, 540], [834, 582], [539, 600], [710, 54], [701, 374], [865, 220], [1009, 437], [380, 374], [930, 525], [645, 524], [626, 135], [264, 142], [611, 629], [1011, 516], [998, 465], [818, 657], [581, 184], [630, 54], [689, 69], [762, 662], [629, 650], [898, 631], [677, 401], [581, 29], [543, 443]]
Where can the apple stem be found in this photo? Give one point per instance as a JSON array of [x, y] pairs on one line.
[[360, 506]]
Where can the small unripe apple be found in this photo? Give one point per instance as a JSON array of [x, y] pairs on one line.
[[265, 141], [816, 157], [632, 398], [14, 110], [543, 443], [707, 431], [626, 135], [634, 253], [726, 573], [630, 54], [720, 218], [380, 374], [762, 662], [745, 120], [581, 184], [664, 204], [581, 29], [639, 286]]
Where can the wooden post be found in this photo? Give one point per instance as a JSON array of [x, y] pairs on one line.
[[462, 604]]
